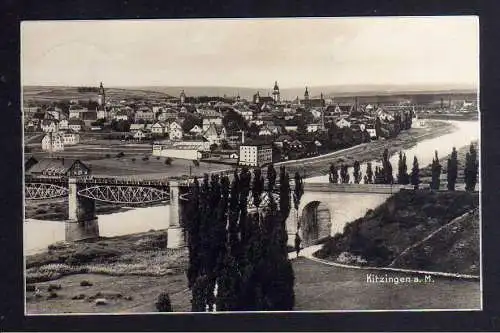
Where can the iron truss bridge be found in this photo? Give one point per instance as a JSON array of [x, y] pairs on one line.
[[124, 194], [41, 191]]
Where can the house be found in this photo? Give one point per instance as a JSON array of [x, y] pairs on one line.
[[145, 114], [75, 111], [52, 142], [247, 114], [139, 135], [372, 132], [102, 113], [255, 154], [175, 133], [88, 117], [316, 113], [265, 131], [196, 130], [311, 128], [75, 125], [158, 128], [63, 124], [291, 128], [343, 122], [211, 120], [62, 167], [137, 127], [55, 112], [121, 115], [30, 110], [49, 125], [215, 134], [296, 144], [282, 139], [70, 139], [167, 115]]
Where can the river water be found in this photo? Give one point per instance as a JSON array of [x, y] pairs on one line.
[[39, 234]]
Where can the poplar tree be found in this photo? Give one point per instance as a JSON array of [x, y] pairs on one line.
[[402, 170], [387, 168], [369, 173], [297, 195], [436, 172], [452, 170], [415, 177], [471, 169], [344, 174], [356, 172], [333, 176]]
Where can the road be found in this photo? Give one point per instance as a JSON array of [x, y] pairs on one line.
[[319, 286]]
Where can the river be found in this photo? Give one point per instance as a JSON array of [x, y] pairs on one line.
[[39, 234]]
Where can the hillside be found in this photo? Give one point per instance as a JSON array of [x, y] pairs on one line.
[[454, 248], [403, 220]]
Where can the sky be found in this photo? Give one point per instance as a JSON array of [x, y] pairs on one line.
[[252, 53]]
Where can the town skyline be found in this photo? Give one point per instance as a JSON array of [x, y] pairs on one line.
[[295, 52]]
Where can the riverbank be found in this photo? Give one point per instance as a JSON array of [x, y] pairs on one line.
[[319, 166], [129, 272], [389, 234]]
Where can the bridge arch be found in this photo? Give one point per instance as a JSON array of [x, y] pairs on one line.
[[315, 222]]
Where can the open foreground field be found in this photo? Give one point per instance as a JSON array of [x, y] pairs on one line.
[[130, 277]]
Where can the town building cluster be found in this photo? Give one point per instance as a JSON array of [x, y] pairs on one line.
[[197, 127]]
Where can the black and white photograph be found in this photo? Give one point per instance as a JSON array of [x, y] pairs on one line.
[[251, 165]]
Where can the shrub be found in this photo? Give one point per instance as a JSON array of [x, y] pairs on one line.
[[163, 303], [52, 295], [157, 158], [85, 283], [108, 155], [30, 287], [133, 159], [80, 296], [145, 158], [120, 154], [53, 287], [168, 161]]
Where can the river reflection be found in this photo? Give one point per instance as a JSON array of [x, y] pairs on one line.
[[467, 131], [39, 234]]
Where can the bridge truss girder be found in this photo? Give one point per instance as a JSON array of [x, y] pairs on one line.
[[41, 191], [124, 194]]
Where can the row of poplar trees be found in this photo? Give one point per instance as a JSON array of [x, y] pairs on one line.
[[238, 258], [382, 174], [471, 169]]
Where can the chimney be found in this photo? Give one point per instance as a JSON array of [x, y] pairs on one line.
[[242, 137]]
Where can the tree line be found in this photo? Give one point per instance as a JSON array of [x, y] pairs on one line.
[[384, 173], [237, 241]]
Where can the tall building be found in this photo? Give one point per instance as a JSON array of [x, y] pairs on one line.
[[101, 97], [276, 92], [183, 97], [255, 154]]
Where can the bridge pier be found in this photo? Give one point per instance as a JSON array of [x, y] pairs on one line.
[[82, 219], [175, 232]]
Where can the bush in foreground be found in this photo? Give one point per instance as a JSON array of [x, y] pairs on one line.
[[163, 303]]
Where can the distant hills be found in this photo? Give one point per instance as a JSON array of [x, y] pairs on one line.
[[54, 92]]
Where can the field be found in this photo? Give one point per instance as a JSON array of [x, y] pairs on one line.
[[54, 94]]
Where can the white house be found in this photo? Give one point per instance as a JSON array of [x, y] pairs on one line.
[[343, 123], [316, 113], [70, 138], [311, 128], [137, 127], [102, 113], [63, 124], [139, 135], [196, 130], [247, 114], [158, 128], [55, 112], [75, 111], [49, 125], [75, 125], [211, 120], [372, 132], [52, 142], [291, 128], [265, 131], [175, 133], [215, 134]]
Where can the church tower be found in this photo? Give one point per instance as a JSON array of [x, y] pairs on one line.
[[101, 97], [306, 95], [276, 92], [183, 97]]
